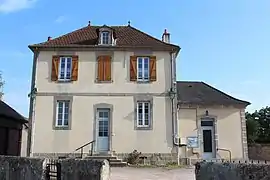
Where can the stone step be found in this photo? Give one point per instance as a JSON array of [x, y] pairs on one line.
[[101, 157], [113, 160]]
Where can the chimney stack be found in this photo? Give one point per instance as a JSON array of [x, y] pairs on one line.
[[166, 36], [49, 38]]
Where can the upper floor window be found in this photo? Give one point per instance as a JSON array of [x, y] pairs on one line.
[[65, 68], [143, 68], [105, 37]]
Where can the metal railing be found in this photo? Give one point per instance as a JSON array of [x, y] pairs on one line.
[[83, 146]]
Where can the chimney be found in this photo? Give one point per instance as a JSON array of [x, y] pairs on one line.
[[89, 23], [49, 38], [166, 36]]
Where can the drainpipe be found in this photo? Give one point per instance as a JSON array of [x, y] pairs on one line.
[[31, 104], [173, 97]]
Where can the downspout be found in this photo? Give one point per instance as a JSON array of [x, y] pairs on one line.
[[174, 104], [31, 103]]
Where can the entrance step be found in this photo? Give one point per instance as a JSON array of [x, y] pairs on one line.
[[113, 160]]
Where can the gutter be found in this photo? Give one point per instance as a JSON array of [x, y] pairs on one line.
[[173, 90], [31, 106]]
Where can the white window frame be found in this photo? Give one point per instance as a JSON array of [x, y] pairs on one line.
[[143, 78], [65, 59], [64, 102], [143, 114], [102, 37]]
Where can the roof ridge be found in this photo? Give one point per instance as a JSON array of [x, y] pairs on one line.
[[225, 94], [153, 37]]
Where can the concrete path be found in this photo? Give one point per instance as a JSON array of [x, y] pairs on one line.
[[128, 173]]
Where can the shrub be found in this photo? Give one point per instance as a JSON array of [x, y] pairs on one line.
[[133, 157]]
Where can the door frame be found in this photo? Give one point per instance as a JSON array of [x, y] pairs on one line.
[[215, 134], [108, 107], [212, 139]]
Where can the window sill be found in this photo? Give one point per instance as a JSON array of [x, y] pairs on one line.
[[64, 81], [101, 82], [143, 128], [61, 128]]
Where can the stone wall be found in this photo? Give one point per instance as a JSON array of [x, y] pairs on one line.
[[84, 169], [259, 151], [231, 171], [19, 168]]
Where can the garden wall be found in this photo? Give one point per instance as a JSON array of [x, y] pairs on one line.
[[259, 151], [231, 171]]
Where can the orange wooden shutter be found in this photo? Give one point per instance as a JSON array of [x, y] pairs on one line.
[[153, 67], [107, 66], [100, 74], [55, 63], [75, 66], [133, 68]]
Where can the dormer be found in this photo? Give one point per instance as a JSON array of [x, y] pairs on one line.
[[106, 36]]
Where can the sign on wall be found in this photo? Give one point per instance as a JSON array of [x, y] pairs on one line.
[[192, 142]]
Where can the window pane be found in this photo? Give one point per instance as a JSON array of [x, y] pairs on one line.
[[66, 122], [59, 122], [140, 122]]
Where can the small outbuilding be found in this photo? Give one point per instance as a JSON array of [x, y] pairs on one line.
[[11, 125]]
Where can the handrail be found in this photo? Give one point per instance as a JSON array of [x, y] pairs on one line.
[[227, 150], [81, 148]]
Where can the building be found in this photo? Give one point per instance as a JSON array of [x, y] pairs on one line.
[[113, 86], [11, 125]]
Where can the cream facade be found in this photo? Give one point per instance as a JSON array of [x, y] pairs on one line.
[[87, 96], [226, 134]]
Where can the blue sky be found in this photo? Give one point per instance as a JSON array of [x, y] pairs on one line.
[[224, 43]]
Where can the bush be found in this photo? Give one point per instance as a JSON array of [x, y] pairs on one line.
[[134, 157]]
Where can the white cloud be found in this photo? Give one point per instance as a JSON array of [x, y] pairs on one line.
[[60, 19], [8, 6]]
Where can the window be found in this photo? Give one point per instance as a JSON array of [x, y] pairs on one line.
[[143, 68], [65, 68], [104, 69], [105, 37], [62, 113], [143, 114]]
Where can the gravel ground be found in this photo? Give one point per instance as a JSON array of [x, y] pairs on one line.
[[128, 173]]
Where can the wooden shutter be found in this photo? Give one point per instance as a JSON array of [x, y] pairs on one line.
[[55, 64], [100, 70], [133, 68], [75, 66], [107, 68], [153, 67]]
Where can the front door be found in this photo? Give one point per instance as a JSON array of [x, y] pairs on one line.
[[103, 130], [208, 143]]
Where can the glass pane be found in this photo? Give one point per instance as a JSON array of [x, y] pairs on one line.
[[59, 122], [105, 114], [101, 123], [140, 116], [105, 133], [140, 122], [100, 134], [207, 140], [146, 122], [66, 116], [106, 123], [100, 114], [66, 122]]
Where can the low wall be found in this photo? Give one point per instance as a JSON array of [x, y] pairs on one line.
[[231, 171], [23, 168], [259, 151], [19, 168], [84, 169]]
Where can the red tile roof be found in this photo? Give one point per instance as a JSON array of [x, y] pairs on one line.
[[127, 36]]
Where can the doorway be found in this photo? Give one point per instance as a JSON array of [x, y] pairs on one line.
[[102, 129], [208, 140]]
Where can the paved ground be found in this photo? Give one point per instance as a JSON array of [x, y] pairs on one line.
[[128, 173]]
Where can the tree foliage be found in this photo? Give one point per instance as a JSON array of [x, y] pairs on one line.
[[258, 126]]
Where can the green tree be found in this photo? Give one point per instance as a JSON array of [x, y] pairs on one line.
[[258, 126]]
